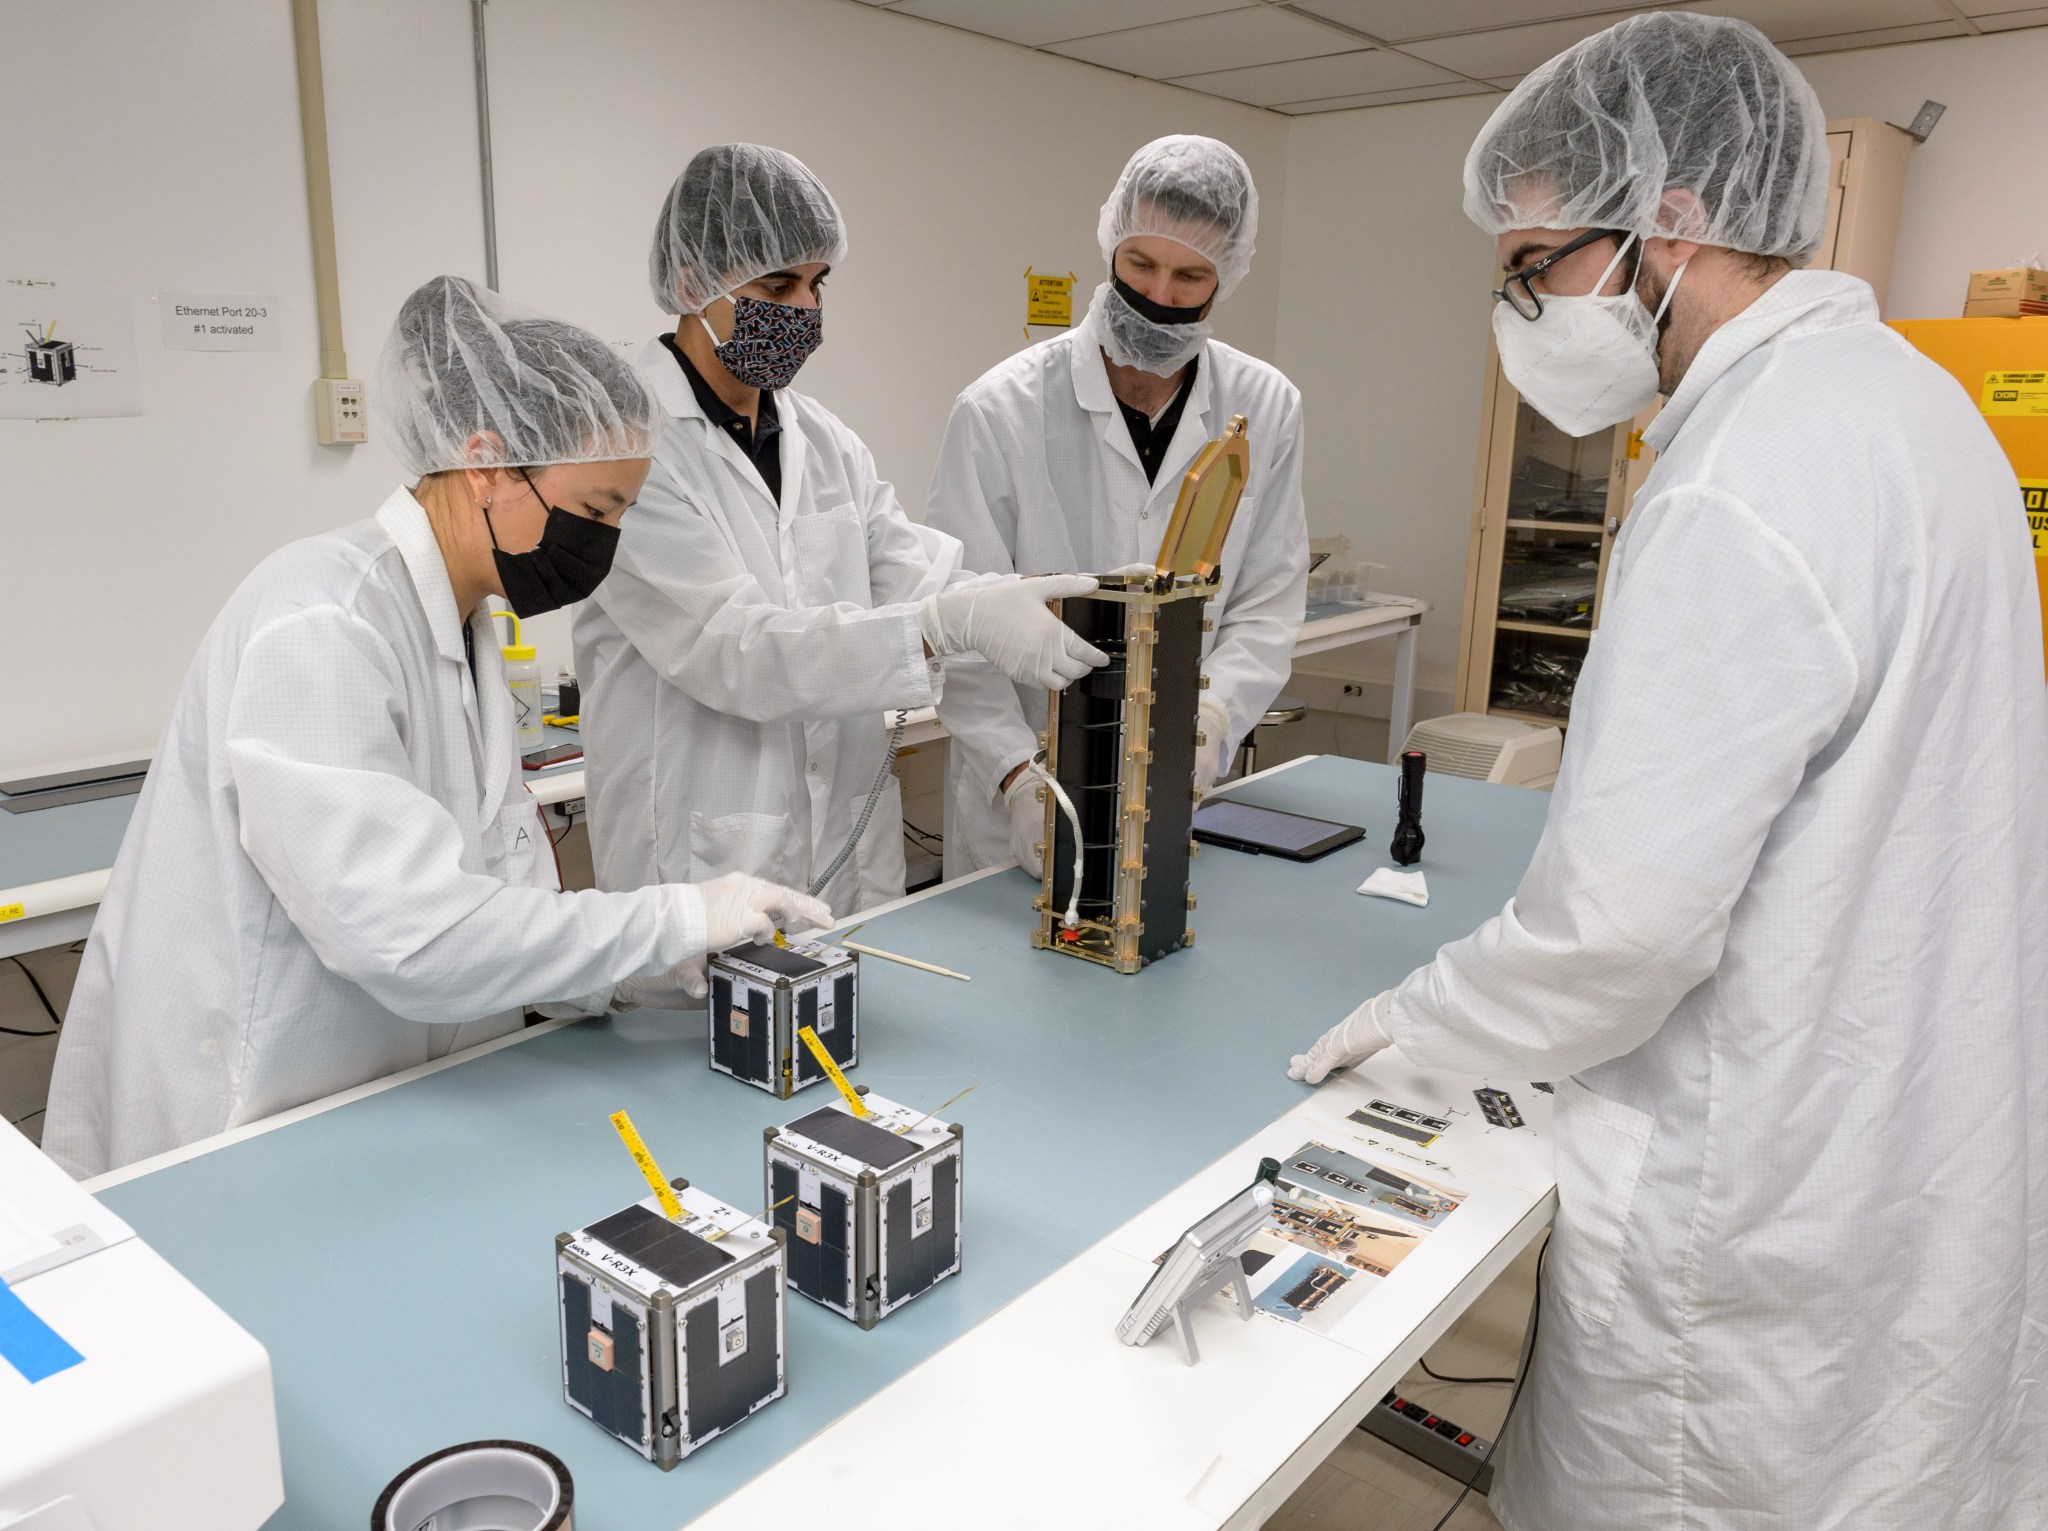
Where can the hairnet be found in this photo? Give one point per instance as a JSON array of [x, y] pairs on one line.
[[1665, 102], [1195, 191], [737, 212], [463, 362]]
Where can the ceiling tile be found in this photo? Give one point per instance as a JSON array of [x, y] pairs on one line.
[[1051, 21], [1342, 74], [1790, 21], [1381, 98], [1394, 20], [1511, 50], [1876, 37], [1257, 34], [2005, 21]]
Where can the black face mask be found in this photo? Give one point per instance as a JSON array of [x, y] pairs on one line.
[[1158, 313], [572, 558]]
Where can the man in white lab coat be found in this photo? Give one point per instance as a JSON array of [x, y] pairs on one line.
[[1069, 455], [334, 871], [1777, 946], [771, 599]]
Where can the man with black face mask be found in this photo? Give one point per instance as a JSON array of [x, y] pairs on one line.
[[771, 600], [1069, 455]]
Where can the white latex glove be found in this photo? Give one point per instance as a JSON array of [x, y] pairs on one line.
[[1007, 623], [1027, 818], [739, 908], [1215, 727], [1133, 570], [1351, 1041]]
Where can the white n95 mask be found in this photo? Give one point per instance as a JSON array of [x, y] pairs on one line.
[[1584, 363]]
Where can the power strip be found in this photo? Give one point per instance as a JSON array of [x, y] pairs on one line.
[[1432, 1440]]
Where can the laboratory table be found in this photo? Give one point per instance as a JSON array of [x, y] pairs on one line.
[[393, 1247]]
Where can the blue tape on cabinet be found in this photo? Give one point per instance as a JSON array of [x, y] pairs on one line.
[[28, 1344]]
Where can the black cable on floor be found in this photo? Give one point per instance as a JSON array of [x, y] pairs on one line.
[[1528, 1355], [56, 1020], [1475, 1381]]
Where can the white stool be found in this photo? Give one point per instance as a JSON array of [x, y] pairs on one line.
[[1285, 709]]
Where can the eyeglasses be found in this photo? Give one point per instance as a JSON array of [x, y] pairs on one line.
[[1519, 290]]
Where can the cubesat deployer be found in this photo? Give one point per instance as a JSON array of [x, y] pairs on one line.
[[1120, 743]]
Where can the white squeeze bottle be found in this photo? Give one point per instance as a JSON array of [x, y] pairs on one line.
[[522, 677]]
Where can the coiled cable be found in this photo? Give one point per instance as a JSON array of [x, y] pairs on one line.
[[867, 811]]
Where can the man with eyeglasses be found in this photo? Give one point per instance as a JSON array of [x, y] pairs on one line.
[[1774, 947]]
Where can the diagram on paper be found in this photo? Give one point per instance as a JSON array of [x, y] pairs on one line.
[[68, 353], [1340, 1225]]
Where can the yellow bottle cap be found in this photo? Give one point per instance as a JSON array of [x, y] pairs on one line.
[[517, 651]]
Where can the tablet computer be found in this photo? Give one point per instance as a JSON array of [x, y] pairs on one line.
[[1269, 831]]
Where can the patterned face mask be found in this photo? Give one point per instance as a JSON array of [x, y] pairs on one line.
[[770, 341]]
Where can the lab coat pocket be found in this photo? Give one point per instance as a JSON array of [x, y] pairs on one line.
[[1601, 1145], [832, 557], [759, 843]]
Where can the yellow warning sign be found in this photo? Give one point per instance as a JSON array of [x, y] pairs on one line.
[[2015, 393], [1048, 299], [2034, 491]]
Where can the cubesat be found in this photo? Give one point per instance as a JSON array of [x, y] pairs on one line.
[[1120, 742], [672, 1330], [763, 995], [870, 1207]]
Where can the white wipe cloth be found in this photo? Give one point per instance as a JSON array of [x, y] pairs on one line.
[[1408, 887]]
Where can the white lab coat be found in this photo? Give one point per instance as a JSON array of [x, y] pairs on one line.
[[1037, 475], [333, 872], [1778, 948], [737, 662]]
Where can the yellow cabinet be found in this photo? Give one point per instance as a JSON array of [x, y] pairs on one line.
[[1547, 506]]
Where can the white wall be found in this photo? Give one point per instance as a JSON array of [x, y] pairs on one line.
[[1977, 191], [177, 165], [958, 160], [1383, 327], [1384, 311]]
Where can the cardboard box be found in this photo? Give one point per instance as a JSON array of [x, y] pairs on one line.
[[2002, 308], [2006, 293]]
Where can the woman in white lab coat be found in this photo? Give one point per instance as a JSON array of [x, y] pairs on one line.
[[1777, 947], [771, 599], [334, 871], [1069, 456]]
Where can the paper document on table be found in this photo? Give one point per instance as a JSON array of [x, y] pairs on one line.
[[45, 1219], [1495, 1127], [1362, 1238]]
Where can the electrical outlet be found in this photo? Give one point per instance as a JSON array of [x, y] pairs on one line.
[[339, 415], [1353, 689]]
